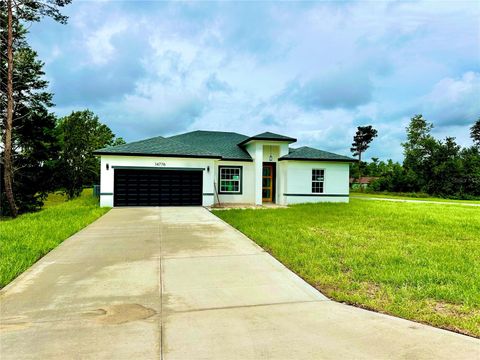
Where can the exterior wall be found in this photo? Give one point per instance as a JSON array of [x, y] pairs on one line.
[[282, 182], [293, 184], [106, 176], [299, 182], [255, 149], [248, 183], [273, 150]]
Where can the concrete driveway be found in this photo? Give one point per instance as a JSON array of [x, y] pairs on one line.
[[178, 283]]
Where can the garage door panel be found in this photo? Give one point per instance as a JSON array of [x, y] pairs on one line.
[[134, 187]]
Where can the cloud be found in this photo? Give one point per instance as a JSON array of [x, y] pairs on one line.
[[215, 85], [454, 101], [89, 87], [312, 70], [162, 114], [342, 89], [99, 43]]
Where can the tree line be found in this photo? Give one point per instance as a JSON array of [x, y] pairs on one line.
[[433, 166], [39, 152]]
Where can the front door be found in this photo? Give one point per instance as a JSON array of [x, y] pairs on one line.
[[268, 182]]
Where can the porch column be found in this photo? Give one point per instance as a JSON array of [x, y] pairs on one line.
[[258, 173]]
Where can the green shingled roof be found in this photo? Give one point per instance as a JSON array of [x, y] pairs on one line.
[[308, 153], [157, 146], [268, 136], [222, 143], [213, 144]]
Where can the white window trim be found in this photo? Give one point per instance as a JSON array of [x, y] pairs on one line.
[[318, 181]]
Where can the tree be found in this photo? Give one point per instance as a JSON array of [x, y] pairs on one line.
[[17, 11], [475, 133], [118, 141], [79, 134], [392, 177], [419, 149], [362, 139], [471, 172], [446, 169], [33, 142], [361, 142], [435, 167]]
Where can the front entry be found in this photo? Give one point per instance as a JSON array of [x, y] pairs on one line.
[[268, 182]]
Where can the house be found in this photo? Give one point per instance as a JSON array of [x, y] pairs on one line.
[[362, 182], [211, 167]]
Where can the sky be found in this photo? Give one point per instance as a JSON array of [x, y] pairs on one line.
[[311, 70]]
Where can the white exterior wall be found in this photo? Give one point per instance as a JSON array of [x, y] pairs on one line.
[[299, 182], [282, 182], [293, 178], [106, 176], [273, 150], [248, 183], [255, 149]]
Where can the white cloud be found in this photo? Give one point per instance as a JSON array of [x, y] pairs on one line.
[[454, 101], [99, 42], [355, 63]]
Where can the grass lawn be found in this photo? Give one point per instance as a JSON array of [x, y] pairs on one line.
[[415, 261], [27, 238], [400, 197]]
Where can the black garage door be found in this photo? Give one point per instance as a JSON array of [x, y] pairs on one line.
[[134, 187]]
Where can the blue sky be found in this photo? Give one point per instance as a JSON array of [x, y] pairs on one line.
[[311, 70]]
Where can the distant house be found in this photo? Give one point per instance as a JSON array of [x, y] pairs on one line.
[[210, 167], [363, 182]]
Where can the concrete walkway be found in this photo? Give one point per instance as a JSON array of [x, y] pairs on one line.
[[178, 283]]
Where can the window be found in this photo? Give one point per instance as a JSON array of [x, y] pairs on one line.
[[230, 179], [318, 179]]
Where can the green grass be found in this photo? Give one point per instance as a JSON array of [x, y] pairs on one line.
[[403, 197], [27, 238], [59, 197], [415, 261]]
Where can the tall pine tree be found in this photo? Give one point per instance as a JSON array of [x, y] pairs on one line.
[[12, 12], [33, 141]]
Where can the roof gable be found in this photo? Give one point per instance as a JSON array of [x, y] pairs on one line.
[[268, 136]]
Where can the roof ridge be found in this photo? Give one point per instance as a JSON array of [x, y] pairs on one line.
[[270, 132], [208, 131], [268, 136], [132, 142], [150, 144], [311, 153]]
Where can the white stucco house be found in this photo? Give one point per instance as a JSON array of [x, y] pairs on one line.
[[211, 167]]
